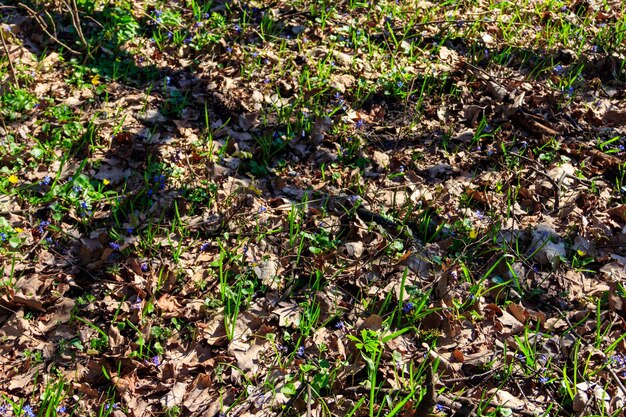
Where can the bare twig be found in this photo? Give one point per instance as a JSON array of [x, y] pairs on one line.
[[613, 374], [44, 27], [73, 10], [6, 51], [555, 186]]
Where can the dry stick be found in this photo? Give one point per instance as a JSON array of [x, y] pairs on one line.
[[555, 186], [43, 27], [579, 337], [73, 10], [6, 51]]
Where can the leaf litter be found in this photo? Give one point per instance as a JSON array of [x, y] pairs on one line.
[[177, 239]]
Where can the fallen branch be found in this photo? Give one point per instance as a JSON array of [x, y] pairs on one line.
[[44, 27], [6, 51]]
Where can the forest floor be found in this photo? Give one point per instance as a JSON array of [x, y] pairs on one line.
[[312, 208]]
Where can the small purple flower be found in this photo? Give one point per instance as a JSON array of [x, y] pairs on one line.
[[77, 189], [359, 123], [340, 325], [84, 205], [408, 307], [300, 351], [229, 49], [479, 214], [46, 180], [130, 230], [188, 40], [158, 12], [137, 304], [155, 360], [261, 209], [159, 180], [558, 70], [3, 236], [114, 245], [61, 409], [439, 408], [568, 91], [205, 246], [544, 380], [144, 267], [28, 411]]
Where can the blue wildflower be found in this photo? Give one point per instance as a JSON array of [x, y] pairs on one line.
[[28, 411], [408, 307], [558, 69], [300, 351], [114, 245], [137, 304], [544, 380], [205, 246], [46, 180], [3, 236], [144, 267]]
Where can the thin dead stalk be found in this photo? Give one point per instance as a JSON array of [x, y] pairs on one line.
[[6, 51], [44, 27]]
